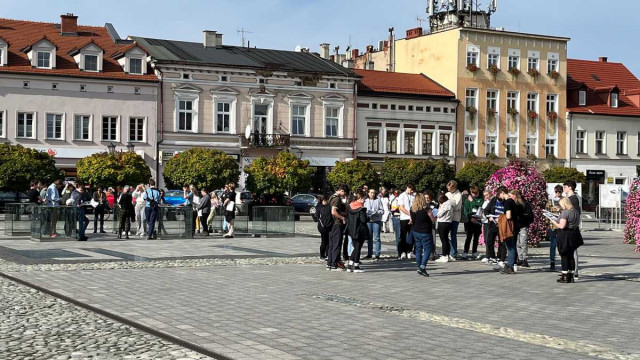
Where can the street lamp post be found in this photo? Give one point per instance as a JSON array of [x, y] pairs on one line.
[[112, 148]]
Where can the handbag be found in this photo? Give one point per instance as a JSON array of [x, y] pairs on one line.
[[94, 203]]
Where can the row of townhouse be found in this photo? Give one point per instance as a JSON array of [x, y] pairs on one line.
[[520, 95], [74, 90]]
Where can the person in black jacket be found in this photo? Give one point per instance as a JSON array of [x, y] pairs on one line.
[[126, 212], [357, 229], [205, 208], [325, 222]]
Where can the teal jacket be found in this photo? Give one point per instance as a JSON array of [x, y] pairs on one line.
[[468, 206]]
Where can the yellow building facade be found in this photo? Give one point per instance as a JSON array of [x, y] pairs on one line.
[[511, 86]]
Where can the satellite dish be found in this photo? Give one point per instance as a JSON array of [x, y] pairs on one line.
[[247, 132], [298, 48]]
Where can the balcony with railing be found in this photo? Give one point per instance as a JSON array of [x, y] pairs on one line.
[[258, 140]]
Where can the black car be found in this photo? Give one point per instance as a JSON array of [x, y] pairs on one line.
[[305, 203]]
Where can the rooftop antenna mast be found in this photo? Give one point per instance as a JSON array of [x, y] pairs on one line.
[[243, 31], [420, 21]]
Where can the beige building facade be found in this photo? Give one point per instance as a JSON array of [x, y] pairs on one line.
[[512, 87]]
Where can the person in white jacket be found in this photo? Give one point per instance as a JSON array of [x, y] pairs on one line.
[[455, 198], [375, 211], [141, 225], [386, 215]]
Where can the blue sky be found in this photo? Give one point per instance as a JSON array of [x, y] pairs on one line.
[[596, 27]]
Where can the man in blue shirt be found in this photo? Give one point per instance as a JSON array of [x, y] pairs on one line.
[[152, 196], [52, 200]]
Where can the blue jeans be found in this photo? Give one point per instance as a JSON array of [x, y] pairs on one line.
[[374, 235], [553, 239], [350, 246], [424, 242], [395, 221], [83, 222], [150, 214], [511, 251], [453, 240]]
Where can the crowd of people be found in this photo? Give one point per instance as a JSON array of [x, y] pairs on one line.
[[138, 207], [347, 219]]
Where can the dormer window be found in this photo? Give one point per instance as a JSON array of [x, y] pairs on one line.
[[91, 63], [582, 98], [44, 60], [135, 66], [614, 99]]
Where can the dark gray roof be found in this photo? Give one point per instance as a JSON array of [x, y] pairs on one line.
[[183, 52]]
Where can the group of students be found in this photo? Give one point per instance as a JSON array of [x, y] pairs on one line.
[[503, 219], [205, 205]]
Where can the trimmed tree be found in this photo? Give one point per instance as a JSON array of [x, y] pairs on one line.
[[476, 173], [202, 167], [632, 209], [117, 169], [430, 174], [355, 174], [521, 176], [279, 174], [560, 174], [20, 165]]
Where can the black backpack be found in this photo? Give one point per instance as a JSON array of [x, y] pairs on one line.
[[324, 218], [527, 214]]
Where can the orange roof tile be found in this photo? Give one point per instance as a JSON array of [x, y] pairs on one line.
[[599, 78], [400, 83], [21, 34]]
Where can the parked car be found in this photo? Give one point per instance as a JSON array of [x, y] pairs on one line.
[[305, 203], [174, 197], [8, 197]]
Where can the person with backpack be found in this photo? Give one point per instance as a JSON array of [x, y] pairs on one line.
[[492, 211], [325, 222], [512, 212], [339, 214], [125, 202], [473, 226], [152, 198], [524, 220], [357, 230]]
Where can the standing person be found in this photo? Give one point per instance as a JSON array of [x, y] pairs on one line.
[[325, 222], [197, 213], [161, 214], [139, 210], [68, 214], [230, 210], [152, 202], [77, 196], [444, 228], [455, 196], [127, 211], [433, 206], [223, 197], [204, 209], [485, 221], [512, 212], [395, 216], [53, 202], [570, 189], [215, 203], [339, 213], [405, 200], [492, 211], [111, 197], [524, 219], [100, 197], [386, 215], [473, 226], [357, 229], [569, 239], [422, 229], [375, 210], [33, 194], [554, 207]]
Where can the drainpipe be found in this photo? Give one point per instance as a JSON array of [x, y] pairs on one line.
[[161, 122], [570, 120], [355, 119]]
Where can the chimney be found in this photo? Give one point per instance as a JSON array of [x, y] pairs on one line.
[[603, 59], [355, 53], [348, 63], [68, 24], [211, 39], [414, 33], [369, 48], [324, 50]]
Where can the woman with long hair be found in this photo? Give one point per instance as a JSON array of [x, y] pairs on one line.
[[141, 225], [523, 228], [422, 219], [215, 203], [444, 223], [569, 238]]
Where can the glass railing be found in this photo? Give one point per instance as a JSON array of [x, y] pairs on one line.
[[53, 223], [273, 220]]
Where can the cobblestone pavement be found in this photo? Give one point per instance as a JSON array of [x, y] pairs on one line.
[[247, 305]]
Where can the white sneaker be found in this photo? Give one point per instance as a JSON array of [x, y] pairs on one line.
[[451, 258], [464, 256], [403, 256], [501, 263], [410, 256], [357, 269], [485, 260], [442, 259]]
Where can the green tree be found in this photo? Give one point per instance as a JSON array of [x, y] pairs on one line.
[[475, 173], [202, 167], [20, 165], [355, 174], [429, 174], [279, 174], [560, 174], [119, 168]]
